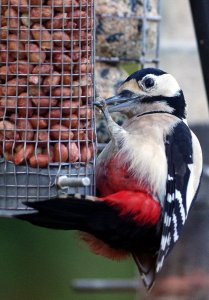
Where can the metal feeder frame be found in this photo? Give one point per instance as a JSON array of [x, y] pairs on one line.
[[19, 183]]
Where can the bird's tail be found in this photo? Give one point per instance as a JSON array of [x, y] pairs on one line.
[[147, 268], [123, 221], [72, 213]]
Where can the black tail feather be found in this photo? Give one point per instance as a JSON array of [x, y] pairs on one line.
[[105, 223], [95, 217], [67, 214]]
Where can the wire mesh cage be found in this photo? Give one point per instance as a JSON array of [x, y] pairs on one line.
[[128, 31], [127, 38], [47, 127]]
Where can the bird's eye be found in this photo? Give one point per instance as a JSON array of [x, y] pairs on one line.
[[149, 82]]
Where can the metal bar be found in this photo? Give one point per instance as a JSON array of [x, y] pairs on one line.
[[200, 14], [127, 60], [95, 285], [67, 181], [149, 18]]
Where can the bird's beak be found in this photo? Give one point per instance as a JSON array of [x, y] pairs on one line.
[[122, 100]]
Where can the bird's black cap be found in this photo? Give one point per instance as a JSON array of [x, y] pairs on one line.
[[138, 75]]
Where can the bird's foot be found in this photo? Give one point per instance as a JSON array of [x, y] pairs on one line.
[[100, 103], [102, 106]]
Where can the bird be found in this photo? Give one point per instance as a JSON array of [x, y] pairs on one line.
[[147, 177]]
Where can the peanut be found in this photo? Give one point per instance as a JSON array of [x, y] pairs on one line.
[[4, 5], [23, 154], [86, 153], [77, 90], [7, 130], [62, 92], [24, 35], [8, 146], [73, 152], [20, 67], [25, 20], [41, 13], [85, 113], [60, 5], [61, 39], [24, 104], [12, 19], [60, 132], [51, 81], [42, 138], [38, 123], [9, 104], [83, 67], [70, 120], [43, 69], [70, 25], [44, 101], [4, 57], [4, 33], [42, 36], [68, 106], [62, 61], [79, 135], [40, 160], [22, 5], [15, 47], [35, 91], [60, 153], [59, 21], [79, 17], [67, 78], [36, 2], [4, 74], [34, 53], [13, 87], [35, 79], [25, 130], [54, 116]]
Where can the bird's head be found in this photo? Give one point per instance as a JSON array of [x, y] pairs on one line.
[[148, 90]]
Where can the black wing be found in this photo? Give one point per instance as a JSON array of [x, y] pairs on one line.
[[179, 152]]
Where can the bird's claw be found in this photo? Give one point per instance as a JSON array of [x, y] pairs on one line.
[[100, 103]]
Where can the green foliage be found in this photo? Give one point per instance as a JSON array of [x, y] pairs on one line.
[[40, 264]]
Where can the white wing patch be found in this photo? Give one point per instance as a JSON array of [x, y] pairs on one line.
[[166, 240], [170, 197], [170, 177], [184, 170], [181, 206], [175, 233], [167, 220]]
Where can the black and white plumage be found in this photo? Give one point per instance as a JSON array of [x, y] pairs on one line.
[[155, 95], [179, 152], [147, 176]]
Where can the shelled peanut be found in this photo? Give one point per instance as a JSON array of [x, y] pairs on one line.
[[45, 82]]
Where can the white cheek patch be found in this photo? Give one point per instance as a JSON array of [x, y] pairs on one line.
[[166, 85]]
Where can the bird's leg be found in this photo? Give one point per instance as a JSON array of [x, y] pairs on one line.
[[118, 133]]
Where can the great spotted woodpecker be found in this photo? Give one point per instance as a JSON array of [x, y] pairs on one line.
[[147, 177]]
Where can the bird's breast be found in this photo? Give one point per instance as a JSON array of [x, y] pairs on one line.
[[138, 160], [113, 175]]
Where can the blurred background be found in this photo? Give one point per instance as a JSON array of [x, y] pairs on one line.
[[40, 264]]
